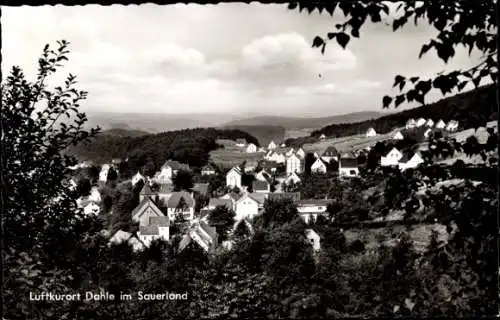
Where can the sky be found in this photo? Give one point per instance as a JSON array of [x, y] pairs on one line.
[[231, 58]]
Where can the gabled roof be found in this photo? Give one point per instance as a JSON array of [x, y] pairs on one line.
[[295, 196], [120, 236], [145, 203], [232, 195], [159, 221], [235, 169], [201, 188], [174, 199], [331, 151], [209, 167], [215, 202], [241, 141], [149, 230], [313, 202], [175, 165], [260, 185], [208, 229], [348, 163], [166, 188], [320, 160], [259, 197], [146, 190]]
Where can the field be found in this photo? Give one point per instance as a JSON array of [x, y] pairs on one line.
[[297, 133], [232, 155]]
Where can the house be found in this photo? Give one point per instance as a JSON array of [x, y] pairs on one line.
[[316, 155], [268, 154], [208, 170], [241, 143], [283, 145], [427, 133], [95, 195], [292, 177], [421, 122], [271, 145], [121, 236], [201, 188], [137, 177], [263, 176], [181, 203], [301, 153], [90, 208], [251, 148], [398, 136], [72, 184], [310, 209], [330, 153], [440, 124], [322, 137], [233, 196], [171, 167], [277, 157], [157, 228], [413, 162], [348, 167], [103, 175], [411, 123], [294, 196], [260, 186], [202, 235], [145, 210], [391, 159], [164, 192], [261, 149], [314, 239], [319, 166], [371, 132], [452, 125], [289, 152], [146, 192], [233, 177], [163, 177], [429, 123], [294, 164], [246, 207], [218, 202]]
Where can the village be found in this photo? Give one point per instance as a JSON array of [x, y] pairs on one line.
[[276, 176]]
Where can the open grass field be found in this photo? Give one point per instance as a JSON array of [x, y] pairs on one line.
[[232, 155]]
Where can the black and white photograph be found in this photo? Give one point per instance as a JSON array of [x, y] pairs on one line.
[[299, 160]]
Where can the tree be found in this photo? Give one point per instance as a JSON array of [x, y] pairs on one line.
[[183, 180], [83, 187], [461, 23], [38, 124], [278, 212], [242, 229], [222, 218]]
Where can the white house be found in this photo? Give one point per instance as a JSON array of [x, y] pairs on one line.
[[371, 132], [330, 153], [251, 148], [72, 184], [411, 123], [348, 167], [310, 209], [95, 195], [292, 177], [158, 228], [202, 235], [241, 143], [427, 133], [293, 164], [233, 177], [103, 175], [122, 236], [277, 157], [208, 170], [137, 177], [145, 210], [413, 162], [246, 207], [318, 166], [398, 136], [174, 207], [91, 209], [300, 153], [289, 152], [429, 123], [262, 175], [441, 124], [271, 145], [452, 125], [322, 137], [421, 122], [314, 239], [392, 158], [164, 176]]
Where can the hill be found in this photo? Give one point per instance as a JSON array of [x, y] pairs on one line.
[[117, 132], [471, 109], [297, 123], [264, 133], [191, 146]]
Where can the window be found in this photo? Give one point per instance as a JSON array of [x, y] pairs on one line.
[[352, 172]]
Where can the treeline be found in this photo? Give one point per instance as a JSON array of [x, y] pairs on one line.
[[264, 133], [190, 146], [471, 109]]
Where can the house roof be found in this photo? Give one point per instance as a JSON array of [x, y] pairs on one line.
[[295, 196], [314, 202], [331, 151], [241, 141], [176, 197], [146, 190], [209, 167], [349, 163], [235, 169], [215, 202], [159, 221], [259, 197], [120, 236], [165, 188], [208, 229], [232, 195], [201, 188], [146, 202], [175, 165], [405, 158], [260, 185], [149, 230]]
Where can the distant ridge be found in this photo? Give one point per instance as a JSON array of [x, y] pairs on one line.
[[297, 123]]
